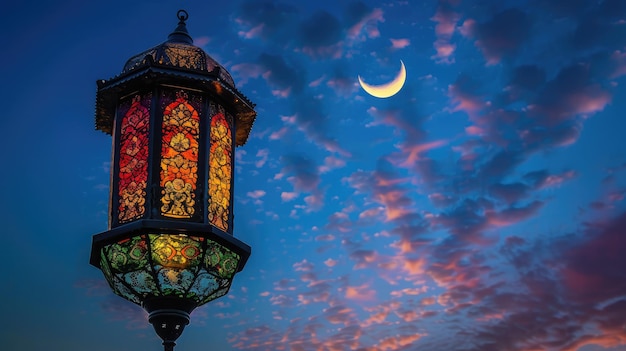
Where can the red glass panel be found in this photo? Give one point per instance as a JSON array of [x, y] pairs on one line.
[[179, 158], [133, 162]]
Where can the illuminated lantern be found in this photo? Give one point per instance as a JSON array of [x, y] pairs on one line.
[[175, 117]]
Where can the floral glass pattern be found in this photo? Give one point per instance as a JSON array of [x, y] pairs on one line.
[[151, 265], [220, 169], [179, 157], [133, 161]]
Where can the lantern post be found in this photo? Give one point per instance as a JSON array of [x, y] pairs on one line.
[[175, 117]]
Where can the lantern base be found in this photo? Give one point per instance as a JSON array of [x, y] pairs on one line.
[[168, 316]]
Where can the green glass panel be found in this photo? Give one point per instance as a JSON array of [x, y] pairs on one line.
[[142, 281], [219, 293], [205, 284], [128, 255], [120, 289], [105, 267], [176, 251], [175, 279], [169, 265], [220, 260]]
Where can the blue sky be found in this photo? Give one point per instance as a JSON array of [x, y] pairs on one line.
[[480, 208]]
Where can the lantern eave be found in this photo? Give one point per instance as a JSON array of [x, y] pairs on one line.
[[156, 226], [208, 82]]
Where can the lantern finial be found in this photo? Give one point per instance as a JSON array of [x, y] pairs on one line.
[[180, 34]]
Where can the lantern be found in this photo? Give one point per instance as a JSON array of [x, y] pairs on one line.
[[175, 117]]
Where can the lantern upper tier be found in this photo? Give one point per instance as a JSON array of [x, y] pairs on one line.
[[179, 60]]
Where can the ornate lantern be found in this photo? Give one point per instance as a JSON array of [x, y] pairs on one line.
[[175, 117]]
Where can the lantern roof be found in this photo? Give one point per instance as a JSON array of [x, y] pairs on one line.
[[179, 51], [175, 58]]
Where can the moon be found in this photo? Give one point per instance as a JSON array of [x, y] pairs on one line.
[[388, 89]]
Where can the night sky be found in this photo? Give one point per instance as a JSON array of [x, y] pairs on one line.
[[480, 208]]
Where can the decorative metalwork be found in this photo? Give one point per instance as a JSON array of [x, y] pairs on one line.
[[179, 157], [220, 169], [133, 161], [184, 56], [161, 265]]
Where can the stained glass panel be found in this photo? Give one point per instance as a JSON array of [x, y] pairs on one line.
[[220, 168], [179, 163], [169, 265], [133, 161], [220, 260]]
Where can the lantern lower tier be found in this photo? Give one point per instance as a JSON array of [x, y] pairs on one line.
[[148, 261]]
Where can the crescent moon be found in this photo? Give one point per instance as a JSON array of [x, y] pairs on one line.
[[388, 89]]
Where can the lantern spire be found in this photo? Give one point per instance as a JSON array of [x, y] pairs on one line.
[[180, 34]]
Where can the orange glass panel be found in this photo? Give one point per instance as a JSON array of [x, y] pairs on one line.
[[133, 162], [179, 158], [220, 170]]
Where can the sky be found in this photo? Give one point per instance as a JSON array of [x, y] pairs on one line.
[[480, 208]]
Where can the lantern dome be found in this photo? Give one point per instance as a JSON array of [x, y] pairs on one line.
[[176, 58], [179, 52]]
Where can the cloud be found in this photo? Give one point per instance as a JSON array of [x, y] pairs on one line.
[[320, 35], [263, 155], [257, 194], [400, 43], [572, 92], [304, 173], [268, 20], [446, 19], [363, 21], [590, 270], [287, 196], [502, 36], [280, 75], [312, 120]]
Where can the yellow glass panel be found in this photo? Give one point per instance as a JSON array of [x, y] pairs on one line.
[[220, 170], [179, 162]]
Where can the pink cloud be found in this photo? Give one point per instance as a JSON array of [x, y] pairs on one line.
[[414, 267], [376, 318], [360, 293], [334, 51], [201, 41], [409, 291], [397, 342], [257, 194], [464, 100], [555, 180], [247, 71], [331, 162], [314, 202], [367, 24], [263, 155], [370, 213], [474, 130], [413, 152], [330, 262], [444, 50], [446, 20], [400, 43], [279, 134], [325, 237], [254, 32], [619, 59], [287, 196], [282, 93]]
